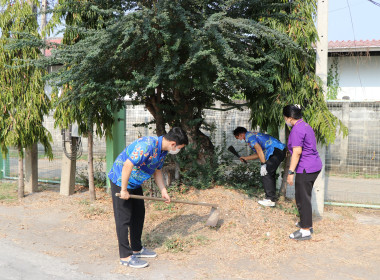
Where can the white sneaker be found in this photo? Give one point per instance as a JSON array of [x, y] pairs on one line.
[[267, 202]]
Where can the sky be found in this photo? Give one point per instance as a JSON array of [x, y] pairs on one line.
[[365, 23]]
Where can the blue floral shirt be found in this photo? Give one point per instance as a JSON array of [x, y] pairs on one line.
[[267, 143], [145, 154]]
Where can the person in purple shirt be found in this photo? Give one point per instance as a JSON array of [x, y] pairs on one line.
[[306, 163]]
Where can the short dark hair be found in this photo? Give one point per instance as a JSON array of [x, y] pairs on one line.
[[239, 130], [292, 111], [178, 135]]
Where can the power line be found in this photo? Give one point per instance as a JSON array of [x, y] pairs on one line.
[[357, 57], [375, 3]]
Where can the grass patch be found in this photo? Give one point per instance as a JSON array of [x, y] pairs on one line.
[[84, 202], [91, 211], [178, 243], [8, 191], [288, 208], [167, 207], [152, 240]]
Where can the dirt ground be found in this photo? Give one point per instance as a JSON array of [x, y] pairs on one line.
[[250, 241]]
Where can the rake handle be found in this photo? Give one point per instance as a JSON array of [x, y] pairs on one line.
[[172, 200]]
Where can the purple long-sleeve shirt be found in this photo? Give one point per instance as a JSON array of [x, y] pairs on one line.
[[302, 135]]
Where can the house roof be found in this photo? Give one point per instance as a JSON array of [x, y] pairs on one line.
[[334, 46], [354, 46], [52, 40]]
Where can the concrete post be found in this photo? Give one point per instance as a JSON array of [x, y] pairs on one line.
[[7, 166], [117, 144], [318, 196], [68, 171], [343, 152], [31, 169], [2, 171]]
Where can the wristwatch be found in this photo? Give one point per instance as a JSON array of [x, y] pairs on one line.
[[290, 172]]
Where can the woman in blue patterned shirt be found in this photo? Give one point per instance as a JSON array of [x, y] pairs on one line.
[[138, 162]]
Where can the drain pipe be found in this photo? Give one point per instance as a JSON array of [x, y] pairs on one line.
[[352, 205]]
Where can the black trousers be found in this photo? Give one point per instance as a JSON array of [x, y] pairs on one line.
[[129, 215], [269, 180], [303, 188]]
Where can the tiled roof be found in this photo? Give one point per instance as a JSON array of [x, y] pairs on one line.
[[367, 45], [52, 40]]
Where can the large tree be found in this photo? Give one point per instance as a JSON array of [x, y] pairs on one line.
[[86, 104], [179, 57], [23, 102]]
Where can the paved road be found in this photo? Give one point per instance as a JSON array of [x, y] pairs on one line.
[[19, 263], [353, 190]]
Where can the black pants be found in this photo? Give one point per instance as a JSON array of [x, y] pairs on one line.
[[303, 188], [129, 215], [269, 180]]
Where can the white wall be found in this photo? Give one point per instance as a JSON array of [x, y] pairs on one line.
[[359, 77]]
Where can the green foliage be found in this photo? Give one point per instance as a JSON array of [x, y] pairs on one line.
[[293, 77], [82, 99], [23, 102], [245, 177], [333, 80], [100, 177], [220, 170], [176, 57], [193, 173]]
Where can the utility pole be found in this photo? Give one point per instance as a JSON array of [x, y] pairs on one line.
[[318, 197]]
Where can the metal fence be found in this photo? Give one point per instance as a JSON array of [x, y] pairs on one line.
[[352, 163]]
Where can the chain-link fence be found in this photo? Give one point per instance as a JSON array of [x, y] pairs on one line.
[[352, 163]]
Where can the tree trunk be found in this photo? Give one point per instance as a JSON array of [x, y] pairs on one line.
[[91, 184], [205, 147], [153, 104], [21, 185], [282, 191], [184, 116]]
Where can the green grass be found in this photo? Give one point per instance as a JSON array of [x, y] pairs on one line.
[[292, 209], [162, 206], [8, 191], [179, 243]]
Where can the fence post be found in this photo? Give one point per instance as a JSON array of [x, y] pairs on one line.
[[67, 186], [343, 152], [31, 169], [2, 171], [116, 145]]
